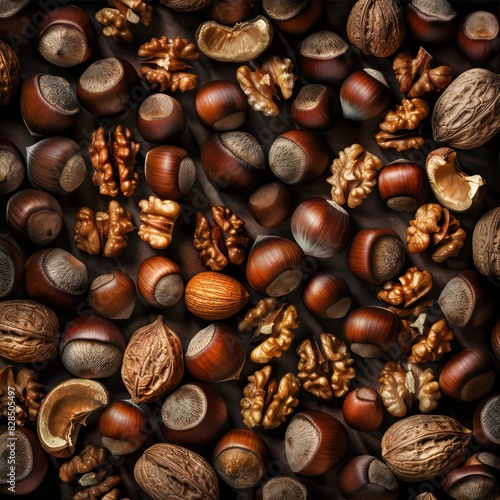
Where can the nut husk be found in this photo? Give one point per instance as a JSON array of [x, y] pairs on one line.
[[153, 362], [171, 471], [421, 447]]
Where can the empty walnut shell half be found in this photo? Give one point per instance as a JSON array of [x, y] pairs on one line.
[[242, 42]]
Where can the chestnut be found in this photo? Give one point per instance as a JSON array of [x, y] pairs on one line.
[[241, 458], [91, 347], [36, 214], [495, 339], [11, 265], [112, 295], [468, 375], [485, 423], [8, 8], [315, 442], [105, 86], [161, 119], [170, 172], [215, 354], [293, 17], [431, 22], [221, 105], [160, 281], [327, 295], [65, 36], [363, 409], [56, 164], [324, 57], [322, 228], [282, 487], [315, 107], [271, 204], [365, 94], [365, 476], [12, 167], [233, 161], [371, 330], [484, 458], [274, 265], [402, 185], [473, 481], [298, 157], [478, 37], [193, 415], [56, 278], [376, 255], [229, 11], [123, 427]]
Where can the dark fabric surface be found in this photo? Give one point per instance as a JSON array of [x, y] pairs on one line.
[[371, 213]]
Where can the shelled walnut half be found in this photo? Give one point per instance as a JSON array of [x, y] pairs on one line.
[[325, 368], [411, 287], [273, 326], [157, 221], [267, 402], [89, 458], [433, 344], [223, 243]]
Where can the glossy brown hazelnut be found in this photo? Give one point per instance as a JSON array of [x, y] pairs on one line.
[[274, 265], [315, 107], [12, 262], [229, 11], [468, 375], [298, 157], [35, 214], [402, 185], [186, 5], [160, 281], [365, 476], [54, 277], [91, 347], [315, 442], [431, 21], [376, 255], [485, 423], [56, 165], [112, 295], [282, 487], [170, 172], [495, 339], [293, 17], [321, 227], [12, 167], [371, 330], [271, 204], [65, 36], [123, 427], [233, 161], [193, 415], [466, 301], [241, 458], [10, 7], [365, 94], [363, 409], [484, 458], [478, 37], [473, 481], [215, 354], [327, 295], [221, 105], [10, 76], [105, 87], [324, 57], [161, 119]]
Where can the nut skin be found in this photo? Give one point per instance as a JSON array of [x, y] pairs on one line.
[[485, 423], [371, 330], [221, 105], [12, 261], [431, 27], [363, 409], [327, 295], [468, 375], [302, 22], [495, 339], [271, 204], [123, 427], [483, 44], [482, 479], [169, 171], [229, 11], [12, 167]]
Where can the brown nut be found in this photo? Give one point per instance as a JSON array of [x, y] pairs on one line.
[[90, 457], [411, 287], [485, 244], [157, 221], [10, 77], [433, 344]]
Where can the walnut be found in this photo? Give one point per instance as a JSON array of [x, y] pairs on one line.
[[260, 85], [399, 128], [433, 345], [403, 384], [325, 369], [413, 285], [354, 174], [215, 250], [414, 311], [158, 218], [97, 491], [265, 401], [143, 11], [89, 458], [113, 160], [415, 76], [87, 236], [163, 66]]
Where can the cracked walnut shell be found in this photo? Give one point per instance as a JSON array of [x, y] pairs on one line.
[[411, 287], [157, 221]]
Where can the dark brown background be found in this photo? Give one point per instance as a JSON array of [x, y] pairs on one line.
[[19, 31]]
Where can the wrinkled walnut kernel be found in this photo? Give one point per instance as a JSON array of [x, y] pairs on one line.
[[413, 285], [89, 458], [433, 345], [157, 221]]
